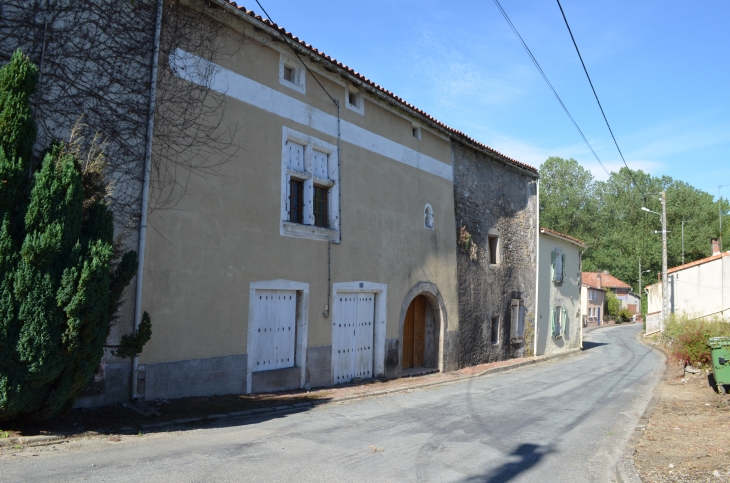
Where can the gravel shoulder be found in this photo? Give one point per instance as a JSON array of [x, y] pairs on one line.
[[687, 438]]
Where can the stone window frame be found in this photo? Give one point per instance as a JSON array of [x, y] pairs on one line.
[[300, 78], [496, 322], [359, 106], [308, 229]]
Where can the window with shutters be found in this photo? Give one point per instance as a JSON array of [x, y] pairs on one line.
[[558, 317], [310, 187], [557, 266]]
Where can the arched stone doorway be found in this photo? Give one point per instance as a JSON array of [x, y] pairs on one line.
[[422, 326]]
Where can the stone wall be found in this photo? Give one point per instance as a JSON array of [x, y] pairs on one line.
[[493, 198]]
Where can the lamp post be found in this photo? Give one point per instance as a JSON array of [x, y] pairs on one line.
[[665, 288]]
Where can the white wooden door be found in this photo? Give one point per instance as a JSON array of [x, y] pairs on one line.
[[352, 336], [274, 329]]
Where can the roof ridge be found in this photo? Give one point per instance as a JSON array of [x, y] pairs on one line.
[[364, 79]]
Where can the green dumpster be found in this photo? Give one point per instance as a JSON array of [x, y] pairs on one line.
[[720, 361]]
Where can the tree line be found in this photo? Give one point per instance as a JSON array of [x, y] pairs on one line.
[[607, 216]]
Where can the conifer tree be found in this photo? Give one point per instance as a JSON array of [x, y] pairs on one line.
[[59, 287]]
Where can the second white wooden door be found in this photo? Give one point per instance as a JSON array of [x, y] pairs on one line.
[[352, 336]]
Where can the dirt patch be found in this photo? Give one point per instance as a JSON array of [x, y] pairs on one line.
[[687, 438]]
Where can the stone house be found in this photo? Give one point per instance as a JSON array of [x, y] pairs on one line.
[[559, 321], [495, 198]]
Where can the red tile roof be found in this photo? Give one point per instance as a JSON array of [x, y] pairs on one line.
[[699, 262], [607, 280], [568, 238], [300, 43]]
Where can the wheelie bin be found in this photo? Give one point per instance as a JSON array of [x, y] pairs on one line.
[[720, 362]]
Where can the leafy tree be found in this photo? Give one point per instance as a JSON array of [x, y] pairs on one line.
[[607, 216], [613, 304], [59, 288]]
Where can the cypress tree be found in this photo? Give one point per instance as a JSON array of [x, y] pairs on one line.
[[59, 286]]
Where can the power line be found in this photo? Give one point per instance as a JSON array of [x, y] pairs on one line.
[[295, 53], [542, 73], [596, 96]]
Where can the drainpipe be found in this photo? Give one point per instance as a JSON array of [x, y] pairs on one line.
[[146, 191], [537, 269]]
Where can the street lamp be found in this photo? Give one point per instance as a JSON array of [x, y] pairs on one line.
[[665, 288]]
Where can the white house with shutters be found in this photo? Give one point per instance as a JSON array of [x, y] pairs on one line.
[[559, 325]]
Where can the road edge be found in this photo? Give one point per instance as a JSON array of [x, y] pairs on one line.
[[625, 469], [56, 438]]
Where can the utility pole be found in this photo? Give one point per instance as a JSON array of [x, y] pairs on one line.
[[665, 288], [665, 285], [719, 209], [641, 294]]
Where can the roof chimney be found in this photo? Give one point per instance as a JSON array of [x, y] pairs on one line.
[[715, 246], [600, 282]]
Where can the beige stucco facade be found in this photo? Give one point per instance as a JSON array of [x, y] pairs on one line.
[[205, 256], [559, 323], [593, 303]]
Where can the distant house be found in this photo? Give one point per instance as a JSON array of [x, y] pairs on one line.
[[559, 318], [698, 289], [606, 281], [593, 303]]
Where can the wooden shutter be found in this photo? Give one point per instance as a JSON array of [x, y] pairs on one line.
[[552, 266], [296, 156], [319, 165], [564, 321], [552, 321], [562, 268]]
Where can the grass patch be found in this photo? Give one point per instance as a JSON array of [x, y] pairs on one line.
[[4, 434]]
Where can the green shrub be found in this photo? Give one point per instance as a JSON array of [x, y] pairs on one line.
[[624, 315], [59, 287], [613, 304], [688, 337]]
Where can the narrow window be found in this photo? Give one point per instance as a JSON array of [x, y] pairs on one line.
[[417, 132], [352, 99], [557, 321], [495, 330], [320, 206], [492, 249], [296, 200]]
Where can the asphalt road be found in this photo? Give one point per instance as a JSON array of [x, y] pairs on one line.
[[561, 421]]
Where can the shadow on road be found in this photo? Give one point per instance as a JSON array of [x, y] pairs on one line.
[[590, 345], [528, 456]]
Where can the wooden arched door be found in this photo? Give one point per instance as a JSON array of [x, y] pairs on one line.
[[414, 333]]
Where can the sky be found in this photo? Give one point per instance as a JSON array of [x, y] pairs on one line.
[[661, 70]]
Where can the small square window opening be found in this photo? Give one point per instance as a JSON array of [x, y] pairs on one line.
[[417, 132], [289, 73], [495, 330], [352, 99], [492, 240]]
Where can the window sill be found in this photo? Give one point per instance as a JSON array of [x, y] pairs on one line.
[[309, 231]]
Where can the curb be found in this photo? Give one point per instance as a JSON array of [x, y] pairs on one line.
[[47, 439], [625, 469], [30, 440]]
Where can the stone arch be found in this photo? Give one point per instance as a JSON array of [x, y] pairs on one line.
[[433, 296]]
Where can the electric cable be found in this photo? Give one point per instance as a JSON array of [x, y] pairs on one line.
[[596, 96], [542, 73], [295, 53]]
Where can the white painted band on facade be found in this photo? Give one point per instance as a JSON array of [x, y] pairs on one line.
[[205, 73]]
